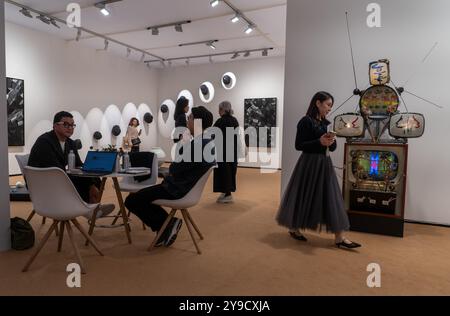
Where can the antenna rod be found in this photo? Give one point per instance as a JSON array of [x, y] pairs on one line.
[[351, 52], [422, 62]]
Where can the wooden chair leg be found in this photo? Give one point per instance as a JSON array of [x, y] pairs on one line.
[[188, 224], [61, 235], [43, 220], [85, 234], [39, 247], [143, 226], [194, 225], [92, 224], [31, 215], [56, 230], [75, 248], [163, 227]]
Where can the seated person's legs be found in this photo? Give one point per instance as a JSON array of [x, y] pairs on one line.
[[153, 215]]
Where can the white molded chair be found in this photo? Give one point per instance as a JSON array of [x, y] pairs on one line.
[[129, 184], [189, 200], [22, 161], [54, 196]]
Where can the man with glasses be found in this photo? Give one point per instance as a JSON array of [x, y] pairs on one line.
[[52, 149]]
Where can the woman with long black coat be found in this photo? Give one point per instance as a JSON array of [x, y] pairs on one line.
[[225, 174]]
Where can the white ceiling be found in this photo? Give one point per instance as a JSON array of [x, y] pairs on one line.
[[130, 18]]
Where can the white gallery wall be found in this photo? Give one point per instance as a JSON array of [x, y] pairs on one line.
[[257, 78], [318, 58], [5, 234], [101, 90]]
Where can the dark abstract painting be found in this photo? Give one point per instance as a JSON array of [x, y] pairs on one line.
[[15, 101], [262, 115]]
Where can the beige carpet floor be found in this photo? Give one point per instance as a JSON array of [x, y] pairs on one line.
[[244, 253]]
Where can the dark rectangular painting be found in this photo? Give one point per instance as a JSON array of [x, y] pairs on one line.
[[15, 101], [261, 113]]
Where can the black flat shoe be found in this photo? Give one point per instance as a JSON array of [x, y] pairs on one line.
[[298, 236], [350, 245]]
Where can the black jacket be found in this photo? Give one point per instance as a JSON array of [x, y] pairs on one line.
[[308, 136], [46, 152], [184, 175], [225, 121]]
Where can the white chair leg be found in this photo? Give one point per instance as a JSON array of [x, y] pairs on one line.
[[163, 227], [188, 224], [75, 248], [39, 247]]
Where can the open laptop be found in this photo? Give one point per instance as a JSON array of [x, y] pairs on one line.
[[98, 163]]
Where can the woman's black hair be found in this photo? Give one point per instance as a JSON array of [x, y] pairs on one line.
[[182, 102], [321, 96]]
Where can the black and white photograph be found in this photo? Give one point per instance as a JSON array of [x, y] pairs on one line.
[[261, 113], [15, 101]]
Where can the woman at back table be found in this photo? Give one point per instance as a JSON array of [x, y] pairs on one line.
[[132, 136]]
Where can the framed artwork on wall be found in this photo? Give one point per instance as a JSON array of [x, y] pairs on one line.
[[261, 113], [15, 101]]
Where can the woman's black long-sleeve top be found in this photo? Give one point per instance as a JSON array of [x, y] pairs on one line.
[[308, 136]]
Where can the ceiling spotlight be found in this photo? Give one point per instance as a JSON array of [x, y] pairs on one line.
[[106, 44], [249, 29], [128, 52], [178, 28], [235, 18], [78, 35], [155, 31], [142, 57], [265, 53], [235, 55], [43, 18], [187, 61], [53, 22], [102, 7], [169, 63], [247, 54], [26, 13], [214, 3], [210, 45]]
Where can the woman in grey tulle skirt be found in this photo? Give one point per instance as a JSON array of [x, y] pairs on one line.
[[313, 198]]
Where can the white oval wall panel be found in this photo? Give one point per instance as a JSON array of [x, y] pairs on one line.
[[228, 80], [207, 95], [166, 123], [188, 95]]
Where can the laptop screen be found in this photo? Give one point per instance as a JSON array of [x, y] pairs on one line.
[[100, 161]]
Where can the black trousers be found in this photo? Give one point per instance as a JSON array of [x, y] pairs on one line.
[[83, 185], [225, 177], [140, 204]]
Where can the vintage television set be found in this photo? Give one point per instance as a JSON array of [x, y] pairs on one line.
[[374, 186]]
